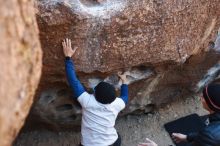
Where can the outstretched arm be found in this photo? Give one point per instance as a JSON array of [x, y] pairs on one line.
[[73, 81], [204, 138], [124, 88], [179, 137]]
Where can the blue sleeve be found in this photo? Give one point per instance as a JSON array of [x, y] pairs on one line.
[[124, 93], [74, 83]]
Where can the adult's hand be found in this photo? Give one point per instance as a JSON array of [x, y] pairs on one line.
[[67, 48], [148, 143], [178, 137]]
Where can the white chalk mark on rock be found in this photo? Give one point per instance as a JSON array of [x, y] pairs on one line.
[[211, 75], [132, 75], [104, 10], [217, 42]]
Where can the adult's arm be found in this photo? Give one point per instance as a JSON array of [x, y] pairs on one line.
[[192, 136], [204, 138]]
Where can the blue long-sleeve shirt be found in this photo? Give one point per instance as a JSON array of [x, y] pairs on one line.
[[78, 88], [73, 81], [124, 93]]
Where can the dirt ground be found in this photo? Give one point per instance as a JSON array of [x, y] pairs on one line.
[[132, 128]]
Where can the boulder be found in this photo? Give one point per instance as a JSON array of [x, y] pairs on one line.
[[20, 58], [163, 45]]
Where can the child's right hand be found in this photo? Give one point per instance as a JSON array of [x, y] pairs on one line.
[[67, 48], [123, 77]]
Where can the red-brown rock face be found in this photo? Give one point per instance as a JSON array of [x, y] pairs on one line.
[[116, 34], [20, 58], [162, 43]]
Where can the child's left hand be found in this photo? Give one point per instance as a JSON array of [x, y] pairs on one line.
[[123, 77]]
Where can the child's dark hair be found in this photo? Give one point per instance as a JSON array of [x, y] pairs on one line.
[[105, 93]]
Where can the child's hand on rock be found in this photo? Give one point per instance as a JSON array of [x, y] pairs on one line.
[[123, 77]]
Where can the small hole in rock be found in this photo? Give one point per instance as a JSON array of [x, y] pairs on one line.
[[211, 45], [61, 92], [70, 118], [64, 107], [90, 3], [48, 99]]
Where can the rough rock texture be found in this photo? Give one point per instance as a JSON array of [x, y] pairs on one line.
[[163, 45], [20, 59]]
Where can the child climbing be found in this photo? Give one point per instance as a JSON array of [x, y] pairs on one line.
[[99, 110]]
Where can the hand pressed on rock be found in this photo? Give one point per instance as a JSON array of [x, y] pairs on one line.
[[123, 77], [67, 48]]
